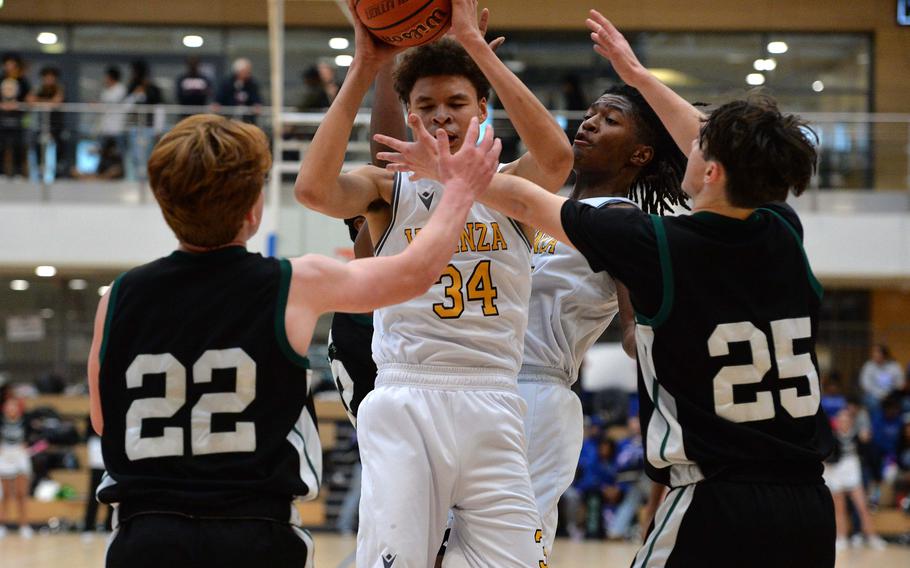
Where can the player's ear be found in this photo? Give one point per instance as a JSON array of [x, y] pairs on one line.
[[483, 110], [642, 156], [715, 173]]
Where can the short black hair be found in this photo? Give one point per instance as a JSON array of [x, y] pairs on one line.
[[49, 70], [765, 153], [444, 57], [658, 186], [13, 57], [113, 73]]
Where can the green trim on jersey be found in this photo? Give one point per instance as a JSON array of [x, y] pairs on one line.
[[813, 281], [666, 273], [362, 319], [281, 333], [109, 316], [306, 453], [664, 524]]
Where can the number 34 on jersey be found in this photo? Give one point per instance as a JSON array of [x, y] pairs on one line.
[[478, 285]]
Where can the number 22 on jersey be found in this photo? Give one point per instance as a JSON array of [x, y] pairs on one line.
[[789, 366], [203, 440], [479, 288]]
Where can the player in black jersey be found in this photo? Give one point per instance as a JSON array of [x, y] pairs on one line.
[[350, 351], [727, 311], [197, 373]]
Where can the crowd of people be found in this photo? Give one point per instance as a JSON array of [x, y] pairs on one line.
[[870, 465], [48, 145], [869, 468]]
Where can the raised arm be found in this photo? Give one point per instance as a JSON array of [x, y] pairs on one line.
[[320, 284], [549, 158], [387, 116], [320, 184], [682, 120]]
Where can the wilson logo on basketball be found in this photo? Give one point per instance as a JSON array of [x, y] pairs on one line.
[[379, 9], [421, 30]]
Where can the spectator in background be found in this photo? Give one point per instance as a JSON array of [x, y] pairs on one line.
[[573, 95], [15, 464], [112, 124], [880, 375], [598, 484], [240, 90], [572, 98], [902, 482], [14, 88], [634, 482], [320, 88], [886, 428], [193, 88], [50, 147], [843, 476], [833, 399], [141, 93], [110, 163]]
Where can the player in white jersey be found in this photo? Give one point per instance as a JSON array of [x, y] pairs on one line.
[[443, 429], [621, 150]]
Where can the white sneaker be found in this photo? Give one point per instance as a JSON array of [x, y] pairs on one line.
[[2, 531], [876, 542], [857, 541], [26, 532], [840, 544]]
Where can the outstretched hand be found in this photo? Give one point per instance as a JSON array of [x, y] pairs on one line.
[[429, 158], [419, 157], [467, 26], [611, 45], [469, 170]]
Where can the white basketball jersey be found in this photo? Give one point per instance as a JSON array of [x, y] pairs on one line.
[[570, 306], [475, 316]]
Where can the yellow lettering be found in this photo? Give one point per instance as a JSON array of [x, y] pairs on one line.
[[544, 243], [409, 234], [499, 242], [467, 238], [482, 245]]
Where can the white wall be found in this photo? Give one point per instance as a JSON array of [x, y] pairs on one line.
[[109, 235]]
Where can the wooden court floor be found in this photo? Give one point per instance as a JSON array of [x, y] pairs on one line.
[[70, 551]]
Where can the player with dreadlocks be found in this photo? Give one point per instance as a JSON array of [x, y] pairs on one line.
[[622, 152]]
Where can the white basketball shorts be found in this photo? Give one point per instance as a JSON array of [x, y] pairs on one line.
[[554, 427], [431, 442]]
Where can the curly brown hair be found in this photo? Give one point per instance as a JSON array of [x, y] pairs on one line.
[[765, 153], [444, 57], [206, 174]]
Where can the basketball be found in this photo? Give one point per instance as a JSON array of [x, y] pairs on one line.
[[405, 23]]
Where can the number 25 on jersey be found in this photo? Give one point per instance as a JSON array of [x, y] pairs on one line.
[[789, 366]]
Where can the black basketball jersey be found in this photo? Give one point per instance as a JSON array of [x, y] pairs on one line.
[[727, 313], [351, 357], [206, 406]]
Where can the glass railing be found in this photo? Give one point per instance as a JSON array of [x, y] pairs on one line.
[[90, 151]]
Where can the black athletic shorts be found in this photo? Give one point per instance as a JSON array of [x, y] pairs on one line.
[[175, 541], [722, 524]]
